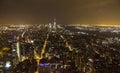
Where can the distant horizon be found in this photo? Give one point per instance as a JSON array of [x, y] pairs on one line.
[[58, 23], [106, 23]]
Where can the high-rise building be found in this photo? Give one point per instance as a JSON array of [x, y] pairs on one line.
[[54, 25]]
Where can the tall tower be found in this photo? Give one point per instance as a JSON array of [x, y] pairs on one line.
[[54, 21], [54, 24], [50, 25]]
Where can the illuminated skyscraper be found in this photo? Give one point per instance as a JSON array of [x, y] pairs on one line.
[[54, 25], [18, 50]]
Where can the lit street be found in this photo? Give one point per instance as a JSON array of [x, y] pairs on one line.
[[70, 49]]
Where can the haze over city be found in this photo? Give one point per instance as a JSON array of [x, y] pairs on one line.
[[65, 11]]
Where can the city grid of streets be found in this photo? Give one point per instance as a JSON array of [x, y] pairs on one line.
[[59, 49]]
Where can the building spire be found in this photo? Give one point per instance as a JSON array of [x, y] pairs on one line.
[[54, 21]]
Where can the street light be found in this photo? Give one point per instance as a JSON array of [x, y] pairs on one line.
[[8, 64]]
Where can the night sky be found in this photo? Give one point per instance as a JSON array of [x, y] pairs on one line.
[[65, 11]]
